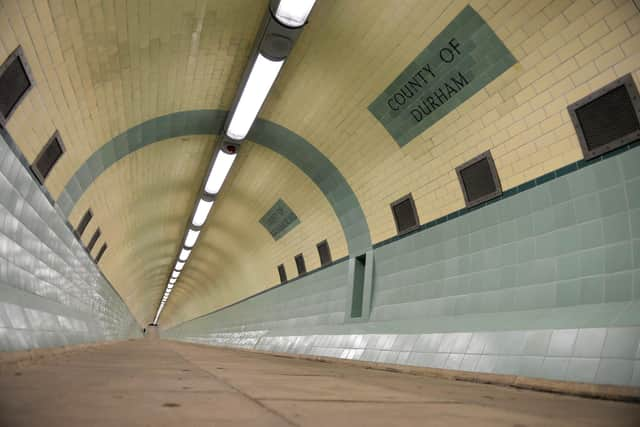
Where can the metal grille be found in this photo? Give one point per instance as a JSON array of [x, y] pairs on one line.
[[84, 222], [607, 118], [405, 215], [283, 273], [103, 249], [324, 253], [477, 180], [94, 239], [47, 158], [14, 83], [300, 265]]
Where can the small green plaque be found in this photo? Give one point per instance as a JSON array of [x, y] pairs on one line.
[[279, 220], [460, 61]]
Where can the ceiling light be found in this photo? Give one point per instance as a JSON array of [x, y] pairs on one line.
[[255, 91], [170, 286], [172, 280], [179, 265], [184, 255], [218, 173], [294, 13], [202, 212], [175, 274], [190, 240]]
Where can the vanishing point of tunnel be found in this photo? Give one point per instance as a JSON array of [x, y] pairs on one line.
[[319, 213]]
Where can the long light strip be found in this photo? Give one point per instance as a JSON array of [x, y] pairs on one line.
[[294, 13], [192, 238], [184, 255], [264, 72], [202, 212], [255, 91], [219, 171]]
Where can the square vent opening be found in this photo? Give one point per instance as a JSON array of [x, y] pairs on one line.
[[103, 249], [48, 157], [300, 265], [479, 179], [608, 118], [15, 82], [82, 226], [405, 214], [282, 273], [324, 252], [93, 240]]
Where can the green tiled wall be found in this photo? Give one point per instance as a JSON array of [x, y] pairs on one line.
[[51, 291], [543, 282]]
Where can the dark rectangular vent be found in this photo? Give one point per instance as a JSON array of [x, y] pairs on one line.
[[15, 82], [405, 214], [608, 118], [479, 179], [93, 240], [357, 297], [48, 157], [101, 252], [84, 222], [324, 253], [282, 273], [300, 265]]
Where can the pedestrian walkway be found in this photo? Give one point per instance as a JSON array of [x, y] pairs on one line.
[[162, 383]]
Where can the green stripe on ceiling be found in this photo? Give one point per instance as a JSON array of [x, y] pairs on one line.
[[288, 144]]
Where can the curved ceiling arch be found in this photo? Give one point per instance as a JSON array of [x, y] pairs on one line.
[[288, 144]]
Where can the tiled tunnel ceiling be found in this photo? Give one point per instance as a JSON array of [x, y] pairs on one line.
[[102, 67]]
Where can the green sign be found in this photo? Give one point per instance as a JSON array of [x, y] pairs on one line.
[[279, 220], [460, 61]]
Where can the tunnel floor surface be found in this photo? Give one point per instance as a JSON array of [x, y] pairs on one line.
[[162, 383]]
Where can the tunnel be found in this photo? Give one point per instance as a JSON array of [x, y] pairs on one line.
[[319, 212]]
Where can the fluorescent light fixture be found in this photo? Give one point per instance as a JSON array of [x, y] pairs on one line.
[[219, 172], [175, 274], [294, 13], [184, 255], [172, 281], [170, 286], [255, 91], [202, 212], [179, 265], [190, 240]]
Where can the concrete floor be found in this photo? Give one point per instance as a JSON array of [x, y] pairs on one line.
[[159, 383]]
